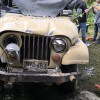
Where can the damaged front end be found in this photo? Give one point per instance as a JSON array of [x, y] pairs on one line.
[[41, 48], [33, 58]]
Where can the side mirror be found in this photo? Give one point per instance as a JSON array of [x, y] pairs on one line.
[[66, 13]]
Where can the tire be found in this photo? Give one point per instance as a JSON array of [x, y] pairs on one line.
[[69, 86], [1, 86], [69, 68]]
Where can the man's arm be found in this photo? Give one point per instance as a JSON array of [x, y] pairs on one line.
[[96, 7], [87, 10], [93, 10]]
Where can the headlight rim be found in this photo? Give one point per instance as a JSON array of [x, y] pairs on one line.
[[7, 36], [59, 38]]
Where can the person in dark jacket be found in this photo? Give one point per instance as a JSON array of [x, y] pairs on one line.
[[83, 19]]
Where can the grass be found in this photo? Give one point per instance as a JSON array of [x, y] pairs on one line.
[[88, 83]]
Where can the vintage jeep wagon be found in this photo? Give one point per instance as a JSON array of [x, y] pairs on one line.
[[37, 46]]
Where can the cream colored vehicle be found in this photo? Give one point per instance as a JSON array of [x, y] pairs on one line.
[[37, 48]]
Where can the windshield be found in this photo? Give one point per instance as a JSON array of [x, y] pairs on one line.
[[42, 7]]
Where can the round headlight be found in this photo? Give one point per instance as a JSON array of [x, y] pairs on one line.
[[59, 44], [11, 39]]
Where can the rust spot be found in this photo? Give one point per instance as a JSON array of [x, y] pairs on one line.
[[56, 57]]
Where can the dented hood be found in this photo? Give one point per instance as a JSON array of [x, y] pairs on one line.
[[39, 25]]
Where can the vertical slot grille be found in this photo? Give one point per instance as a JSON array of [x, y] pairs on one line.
[[35, 47]]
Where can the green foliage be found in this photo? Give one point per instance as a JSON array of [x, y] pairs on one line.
[[90, 17], [90, 1], [90, 21], [74, 17]]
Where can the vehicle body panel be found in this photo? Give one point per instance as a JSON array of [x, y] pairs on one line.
[[39, 48], [48, 27], [39, 25], [76, 54]]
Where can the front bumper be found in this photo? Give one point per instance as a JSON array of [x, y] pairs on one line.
[[30, 77]]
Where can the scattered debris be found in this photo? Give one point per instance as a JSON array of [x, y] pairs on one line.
[[98, 86], [88, 72], [86, 95]]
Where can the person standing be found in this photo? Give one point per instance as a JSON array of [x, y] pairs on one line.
[[82, 20], [95, 32], [96, 11]]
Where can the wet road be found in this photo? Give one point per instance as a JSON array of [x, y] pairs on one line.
[[36, 92]]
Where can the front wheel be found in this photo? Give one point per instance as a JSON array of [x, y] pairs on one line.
[[69, 86], [1, 86]]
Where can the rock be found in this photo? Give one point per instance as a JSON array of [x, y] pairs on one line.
[[86, 95]]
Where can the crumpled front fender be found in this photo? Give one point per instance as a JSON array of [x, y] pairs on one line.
[[77, 54]]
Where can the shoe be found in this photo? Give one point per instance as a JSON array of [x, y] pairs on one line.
[[93, 39], [87, 44], [97, 42]]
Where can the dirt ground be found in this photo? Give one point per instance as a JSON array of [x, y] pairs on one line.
[[37, 92], [91, 71]]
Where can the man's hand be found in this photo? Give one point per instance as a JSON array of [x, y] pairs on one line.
[[87, 10], [93, 6]]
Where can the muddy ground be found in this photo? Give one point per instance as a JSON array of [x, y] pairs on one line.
[[37, 92], [91, 76], [91, 71]]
